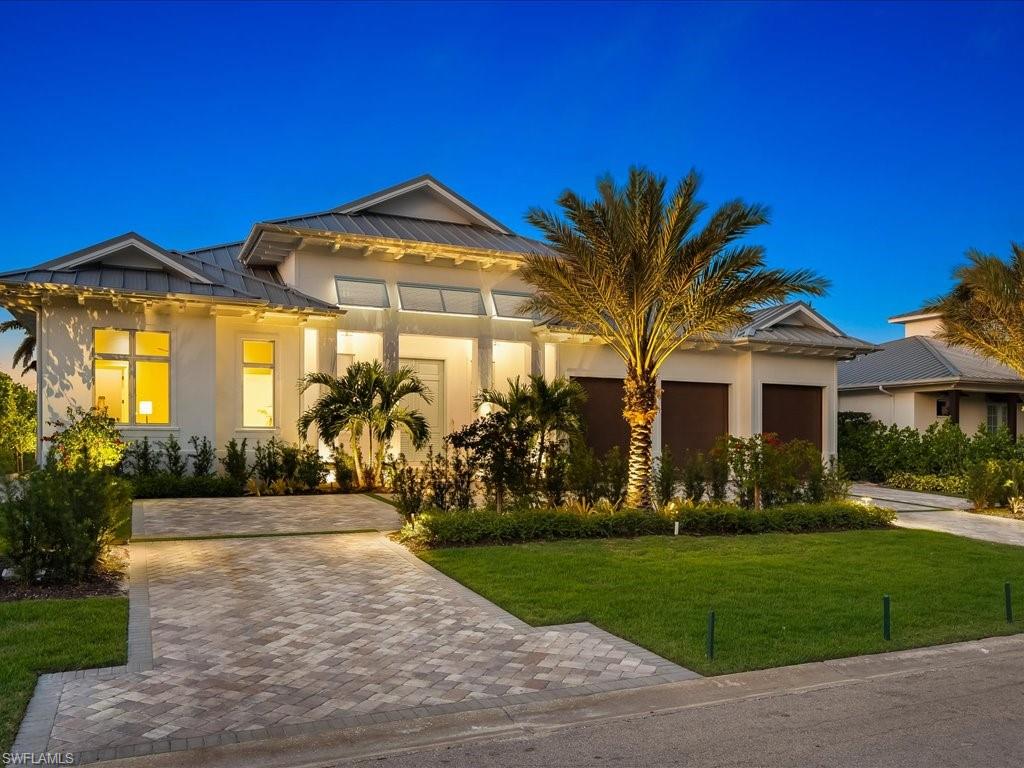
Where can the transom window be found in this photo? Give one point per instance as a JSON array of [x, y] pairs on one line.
[[361, 292], [257, 383], [436, 298], [133, 375], [509, 304]]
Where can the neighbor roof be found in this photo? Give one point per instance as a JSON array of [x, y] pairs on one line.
[[797, 323], [922, 360]]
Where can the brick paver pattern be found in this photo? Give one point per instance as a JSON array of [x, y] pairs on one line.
[[255, 633], [170, 518]]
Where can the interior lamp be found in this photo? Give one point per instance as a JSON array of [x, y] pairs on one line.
[[146, 409]]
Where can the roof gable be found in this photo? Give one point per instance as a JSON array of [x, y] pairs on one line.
[[796, 314], [423, 198], [129, 251]]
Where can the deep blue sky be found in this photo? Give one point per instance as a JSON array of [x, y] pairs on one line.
[[885, 137]]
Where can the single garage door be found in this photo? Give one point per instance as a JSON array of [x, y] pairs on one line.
[[792, 412], [693, 416], [603, 414]]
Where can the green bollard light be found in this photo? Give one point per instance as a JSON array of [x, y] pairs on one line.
[[886, 619], [711, 636], [1008, 594]]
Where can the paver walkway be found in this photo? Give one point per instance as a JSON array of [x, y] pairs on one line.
[[947, 514], [176, 518], [248, 638]]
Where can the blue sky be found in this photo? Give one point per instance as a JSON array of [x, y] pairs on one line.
[[885, 137]]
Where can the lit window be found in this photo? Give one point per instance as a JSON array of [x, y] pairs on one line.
[[361, 292], [133, 375], [430, 298], [257, 384]]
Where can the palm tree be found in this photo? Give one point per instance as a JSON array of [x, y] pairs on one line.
[[24, 354], [984, 311], [366, 399], [552, 408], [636, 272]]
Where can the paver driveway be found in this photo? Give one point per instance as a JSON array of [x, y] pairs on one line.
[[246, 638]]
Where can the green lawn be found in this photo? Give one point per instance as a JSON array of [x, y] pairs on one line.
[[51, 636], [779, 598]]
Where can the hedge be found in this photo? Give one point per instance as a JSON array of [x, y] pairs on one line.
[[950, 485], [165, 486], [464, 528]]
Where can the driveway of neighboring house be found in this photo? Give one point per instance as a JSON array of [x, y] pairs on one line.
[[247, 638], [947, 514]]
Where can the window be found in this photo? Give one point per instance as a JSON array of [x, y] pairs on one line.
[[361, 292], [133, 375], [996, 416], [942, 407], [431, 298], [508, 304], [257, 383]]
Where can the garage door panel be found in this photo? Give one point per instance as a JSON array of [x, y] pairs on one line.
[[792, 412], [694, 415], [602, 413]]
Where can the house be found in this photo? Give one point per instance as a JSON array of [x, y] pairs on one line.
[[212, 341], [918, 380]]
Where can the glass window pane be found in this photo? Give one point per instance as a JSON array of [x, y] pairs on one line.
[[111, 390], [153, 343], [152, 393], [258, 352], [258, 397], [110, 342]]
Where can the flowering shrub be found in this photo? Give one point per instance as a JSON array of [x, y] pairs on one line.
[[86, 438]]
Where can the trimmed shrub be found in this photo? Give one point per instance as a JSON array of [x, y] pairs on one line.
[[951, 485], [235, 461], [58, 522], [441, 529], [202, 456], [167, 486], [88, 438]]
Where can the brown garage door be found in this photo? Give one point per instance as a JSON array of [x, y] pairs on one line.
[[693, 415], [603, 414], [792, 412]]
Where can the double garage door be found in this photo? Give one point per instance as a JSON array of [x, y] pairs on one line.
[[695, 414]]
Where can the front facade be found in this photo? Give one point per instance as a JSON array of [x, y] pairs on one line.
[[919, 380], [212, 342]]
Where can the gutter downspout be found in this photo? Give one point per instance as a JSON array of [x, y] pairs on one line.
[[892, 402]]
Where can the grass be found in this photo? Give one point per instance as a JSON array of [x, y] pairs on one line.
[[39, 636], [779, 598]]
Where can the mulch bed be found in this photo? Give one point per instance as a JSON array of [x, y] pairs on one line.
[[110, 582]]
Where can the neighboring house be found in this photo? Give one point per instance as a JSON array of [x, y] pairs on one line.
[[212, 341], [918, 380]]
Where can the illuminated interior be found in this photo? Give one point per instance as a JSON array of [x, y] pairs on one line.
[[152, 392], [139, 357], [258, 384], [112, 388]]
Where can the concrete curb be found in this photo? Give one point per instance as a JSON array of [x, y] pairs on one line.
[[366, 741]]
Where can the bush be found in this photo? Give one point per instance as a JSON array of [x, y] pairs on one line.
[[86, 438], [174, 461], [986, 483], [441, 529], [58, 522], [140, 459], [166, 486], [202, 456], [410, 487], [344, 468], [499, 446], [267, 462], [235, 461], [310, 468], [666, 477], [951, 485]]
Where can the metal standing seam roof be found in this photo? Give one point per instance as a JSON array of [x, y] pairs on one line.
[[922, 360], [417, 230]]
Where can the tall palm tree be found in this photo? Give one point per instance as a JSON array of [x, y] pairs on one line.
[[366, 399], [637, 272], [552, 408], [984, 311], [24, 354]]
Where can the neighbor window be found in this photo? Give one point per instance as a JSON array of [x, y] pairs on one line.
[[361, 292], [433, 298], [257, 383], [942, 407], [996, 416], [133, 375]]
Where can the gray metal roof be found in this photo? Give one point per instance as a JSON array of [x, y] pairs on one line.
[[922, 360], [769, 325], [226, 257], [416, 230]]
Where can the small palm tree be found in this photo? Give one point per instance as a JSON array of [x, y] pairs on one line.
[[636, 271], [553, 408], [985, 309], [367, 399], [24, 354]]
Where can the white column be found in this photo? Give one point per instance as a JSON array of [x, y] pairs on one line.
[[391, 334], [536, 358]]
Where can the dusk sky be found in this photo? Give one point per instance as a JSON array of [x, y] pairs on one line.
[[884, 137]]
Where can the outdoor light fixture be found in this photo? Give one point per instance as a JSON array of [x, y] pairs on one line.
[[146, 409]]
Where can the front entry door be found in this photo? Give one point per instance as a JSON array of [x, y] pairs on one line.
[[431, 373]]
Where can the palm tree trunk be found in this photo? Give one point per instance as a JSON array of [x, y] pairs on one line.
[[641, 407], [357, 459]]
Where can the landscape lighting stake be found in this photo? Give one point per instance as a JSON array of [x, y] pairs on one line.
[[677, 528], [1008, 593], [886, 623], [711, 636]]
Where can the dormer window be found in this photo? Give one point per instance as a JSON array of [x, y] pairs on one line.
[[441, 299]]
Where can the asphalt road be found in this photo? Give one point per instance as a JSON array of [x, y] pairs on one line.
[[969, 715]]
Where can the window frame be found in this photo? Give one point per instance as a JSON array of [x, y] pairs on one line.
[[272, 365], [371, 280], [132, 357], [1002, 416], [440, 294]]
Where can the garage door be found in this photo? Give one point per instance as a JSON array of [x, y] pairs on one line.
[[603, 414], [792, 412], [431, 373], [694, 415]]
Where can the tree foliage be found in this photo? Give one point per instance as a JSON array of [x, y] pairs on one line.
[[17, 423]]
